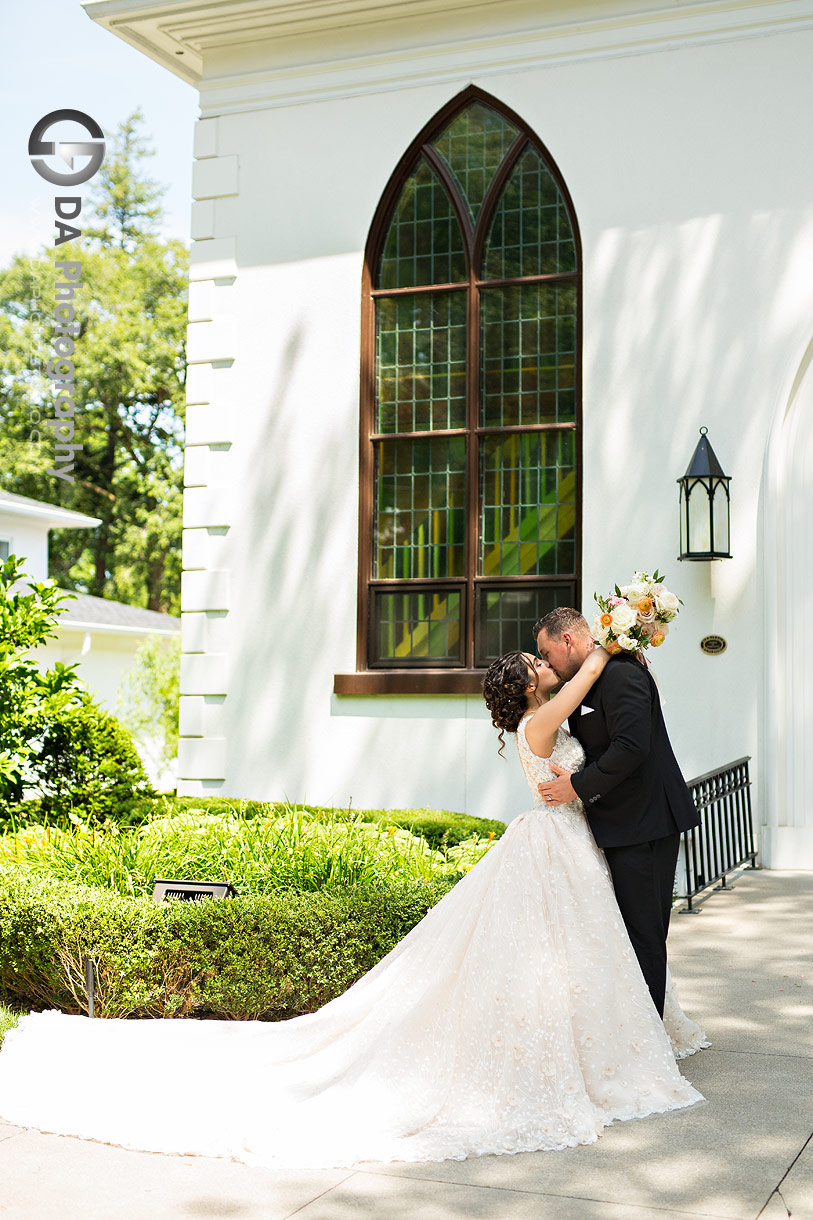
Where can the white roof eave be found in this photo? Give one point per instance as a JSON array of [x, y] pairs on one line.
[[64, 518], [77, 625]]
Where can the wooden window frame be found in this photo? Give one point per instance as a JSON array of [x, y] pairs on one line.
[[466, 679]]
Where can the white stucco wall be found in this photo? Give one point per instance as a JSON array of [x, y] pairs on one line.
[[29, 539], [693, 196]]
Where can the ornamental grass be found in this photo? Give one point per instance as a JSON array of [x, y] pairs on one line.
[[282, 848]]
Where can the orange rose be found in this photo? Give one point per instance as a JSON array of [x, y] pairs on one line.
[[657, 638], [645, 605], [606, 620], [613, 647]]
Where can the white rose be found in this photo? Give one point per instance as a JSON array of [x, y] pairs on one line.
[[633, 593], [600, 632], [624, 617], [667, 604], [627, 642]]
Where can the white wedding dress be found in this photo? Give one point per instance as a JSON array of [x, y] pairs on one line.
[[512, 1018]]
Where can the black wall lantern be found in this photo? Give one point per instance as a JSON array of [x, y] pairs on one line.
[[705, 519]]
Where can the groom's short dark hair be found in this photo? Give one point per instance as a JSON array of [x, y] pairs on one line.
[[563, 618]]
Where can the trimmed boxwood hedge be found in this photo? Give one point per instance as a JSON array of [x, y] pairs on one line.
[[440, 827], [266, 957]]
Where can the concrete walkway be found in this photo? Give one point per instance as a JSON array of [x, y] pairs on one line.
[[743, 969]]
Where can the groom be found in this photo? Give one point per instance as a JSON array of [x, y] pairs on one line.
[[634, 795]]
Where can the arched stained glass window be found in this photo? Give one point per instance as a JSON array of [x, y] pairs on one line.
[[470, 480]]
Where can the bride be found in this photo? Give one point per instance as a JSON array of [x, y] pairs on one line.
[[512, 1018]]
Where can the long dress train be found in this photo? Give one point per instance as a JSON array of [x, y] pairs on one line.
[[512, 1018]]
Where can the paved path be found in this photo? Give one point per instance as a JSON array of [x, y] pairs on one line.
[[743, 969]]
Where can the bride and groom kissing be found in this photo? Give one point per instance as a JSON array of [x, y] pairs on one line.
[[514, 1017], [634, 796]]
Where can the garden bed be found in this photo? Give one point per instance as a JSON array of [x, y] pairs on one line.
[[322, 896]]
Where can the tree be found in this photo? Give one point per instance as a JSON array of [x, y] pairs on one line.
[[56, 742], [129, 371], [148, 701], [26, 695]]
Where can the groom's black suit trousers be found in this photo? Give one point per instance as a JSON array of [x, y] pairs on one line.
[[637, 803], [643, 877]]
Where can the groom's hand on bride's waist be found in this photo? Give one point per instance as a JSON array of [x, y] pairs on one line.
[[557, 791]]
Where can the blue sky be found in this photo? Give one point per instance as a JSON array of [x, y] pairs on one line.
[[55, 57]]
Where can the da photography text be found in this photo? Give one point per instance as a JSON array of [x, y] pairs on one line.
[[60, 368]]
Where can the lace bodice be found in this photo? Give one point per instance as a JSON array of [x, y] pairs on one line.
[[566, 753]]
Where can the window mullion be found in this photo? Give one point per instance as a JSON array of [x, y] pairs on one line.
[[472, 461]]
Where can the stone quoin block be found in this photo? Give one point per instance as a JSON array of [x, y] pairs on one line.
[[205, 139], [214, 177], [204, 673], [190, 715], [205, 590], [202, 758], [213, 260]]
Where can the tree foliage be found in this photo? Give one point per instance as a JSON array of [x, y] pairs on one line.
[[149, 699], [27, 696], [56, 742], [129, 374]]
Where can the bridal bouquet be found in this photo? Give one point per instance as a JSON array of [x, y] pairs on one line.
[[636, 615]]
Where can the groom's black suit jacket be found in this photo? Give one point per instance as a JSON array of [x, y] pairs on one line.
[[631, 787]]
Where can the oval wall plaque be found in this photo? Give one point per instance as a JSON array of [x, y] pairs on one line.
[[713, 645]]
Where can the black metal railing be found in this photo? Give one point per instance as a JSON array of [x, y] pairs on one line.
[[724, 840]]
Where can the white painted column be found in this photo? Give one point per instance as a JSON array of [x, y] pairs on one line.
[[787, 703], [209, 494]]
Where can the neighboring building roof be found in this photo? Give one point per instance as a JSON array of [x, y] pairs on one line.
[[51, 514], [84, 611]]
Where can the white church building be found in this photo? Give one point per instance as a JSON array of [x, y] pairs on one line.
[[467, 280]]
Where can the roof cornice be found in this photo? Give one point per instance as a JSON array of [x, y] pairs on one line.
[[179, 33]]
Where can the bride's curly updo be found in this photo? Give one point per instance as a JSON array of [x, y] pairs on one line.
[[504, 690]]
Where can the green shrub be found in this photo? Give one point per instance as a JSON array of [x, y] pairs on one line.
[[87, 763], [286, 849], [8, 1019], [439, 827], [56, 742], [263, 956], [26, 694]]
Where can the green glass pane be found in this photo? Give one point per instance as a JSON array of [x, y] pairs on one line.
[[506, 617], [527, 504], [416, 628], [473, 146], [419, 525], [424, 244], [529, 354], [421, 362], [531, 233]]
